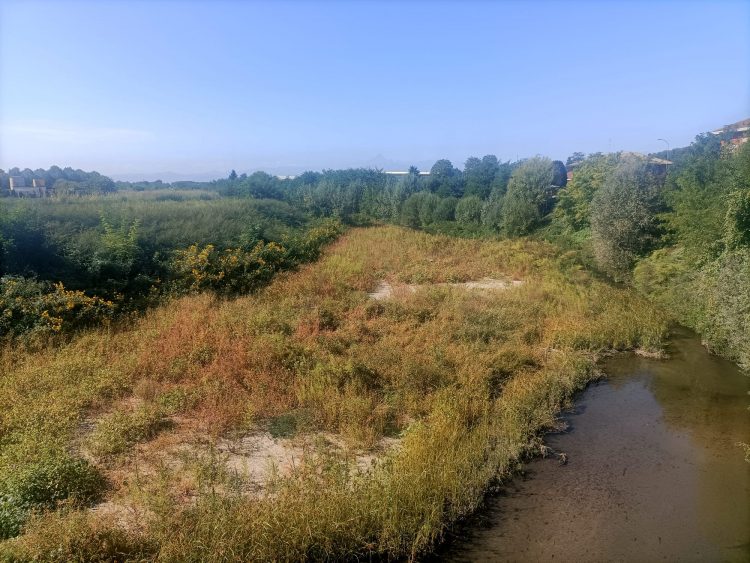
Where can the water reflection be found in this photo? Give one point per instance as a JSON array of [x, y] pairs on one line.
[[654, 472]]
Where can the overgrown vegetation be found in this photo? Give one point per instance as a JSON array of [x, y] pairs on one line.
[[73, 262], [466, 378], [230, 341]]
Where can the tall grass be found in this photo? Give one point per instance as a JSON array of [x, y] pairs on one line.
[[465, 378]]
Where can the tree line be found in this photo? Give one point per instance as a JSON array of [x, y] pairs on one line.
[[680, 232], [64, 181]]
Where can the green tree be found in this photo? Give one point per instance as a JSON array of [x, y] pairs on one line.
[[445, 180], [492, 211], [624, 224], [575, 158], [446, 209], [559, 174], [529, 196], [428, 205], [737, 221], [410, 212], [469, 211], [520, 213], [699, 191], [479, 175], [573, 208]]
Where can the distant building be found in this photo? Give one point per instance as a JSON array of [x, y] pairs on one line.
[[570, 168], [19, 188], [735, 134], [658, 166]]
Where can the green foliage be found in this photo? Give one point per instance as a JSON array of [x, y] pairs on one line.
[[31, 307], [446, 209], [529, 196], [559, 174], [624, 224], [68, 181], [117, 432], [737, 221], [520, 213], [42, 485], [713, 299], [723, 288], [233, 270], [428, 205], [241, 270], [121, 243], [575, 158], [469, 210], [492, 212], [704, 278], [420, 209], [410, 211], [479, 175], [113, 255], [445, 180], [573, 208]]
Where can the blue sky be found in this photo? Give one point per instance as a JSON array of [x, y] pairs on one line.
[[150, 89]]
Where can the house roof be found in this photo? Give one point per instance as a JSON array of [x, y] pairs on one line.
[[740, 127], [651, 159]]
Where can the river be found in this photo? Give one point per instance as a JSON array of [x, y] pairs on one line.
[[653, 471]]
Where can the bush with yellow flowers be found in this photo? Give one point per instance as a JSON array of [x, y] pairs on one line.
[[28, 306]]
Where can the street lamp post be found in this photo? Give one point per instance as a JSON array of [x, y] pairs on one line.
[[667, 143]]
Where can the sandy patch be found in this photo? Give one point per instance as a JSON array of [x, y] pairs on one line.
[[257, 456], [385, 290]]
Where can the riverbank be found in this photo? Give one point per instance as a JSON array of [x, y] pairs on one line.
[[463, 377], [653, 471]]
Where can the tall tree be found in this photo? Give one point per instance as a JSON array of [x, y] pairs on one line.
[[624, 222], [479, 175], [575, 158], [529, 196], [445, 180], [559, 174]]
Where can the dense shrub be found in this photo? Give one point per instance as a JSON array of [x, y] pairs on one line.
[[446, 209], [245, 269], [469, 210], [121, 429], [42, 485], [233, 270], [30, 307], [723, 288], [713, 299]]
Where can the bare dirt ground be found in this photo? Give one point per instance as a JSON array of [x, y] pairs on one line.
[[257, 456], [386, 290]]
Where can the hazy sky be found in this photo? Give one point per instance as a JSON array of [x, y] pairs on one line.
[[143, 88]]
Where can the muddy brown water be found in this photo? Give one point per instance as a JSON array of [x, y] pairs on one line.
[[653, 472]]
